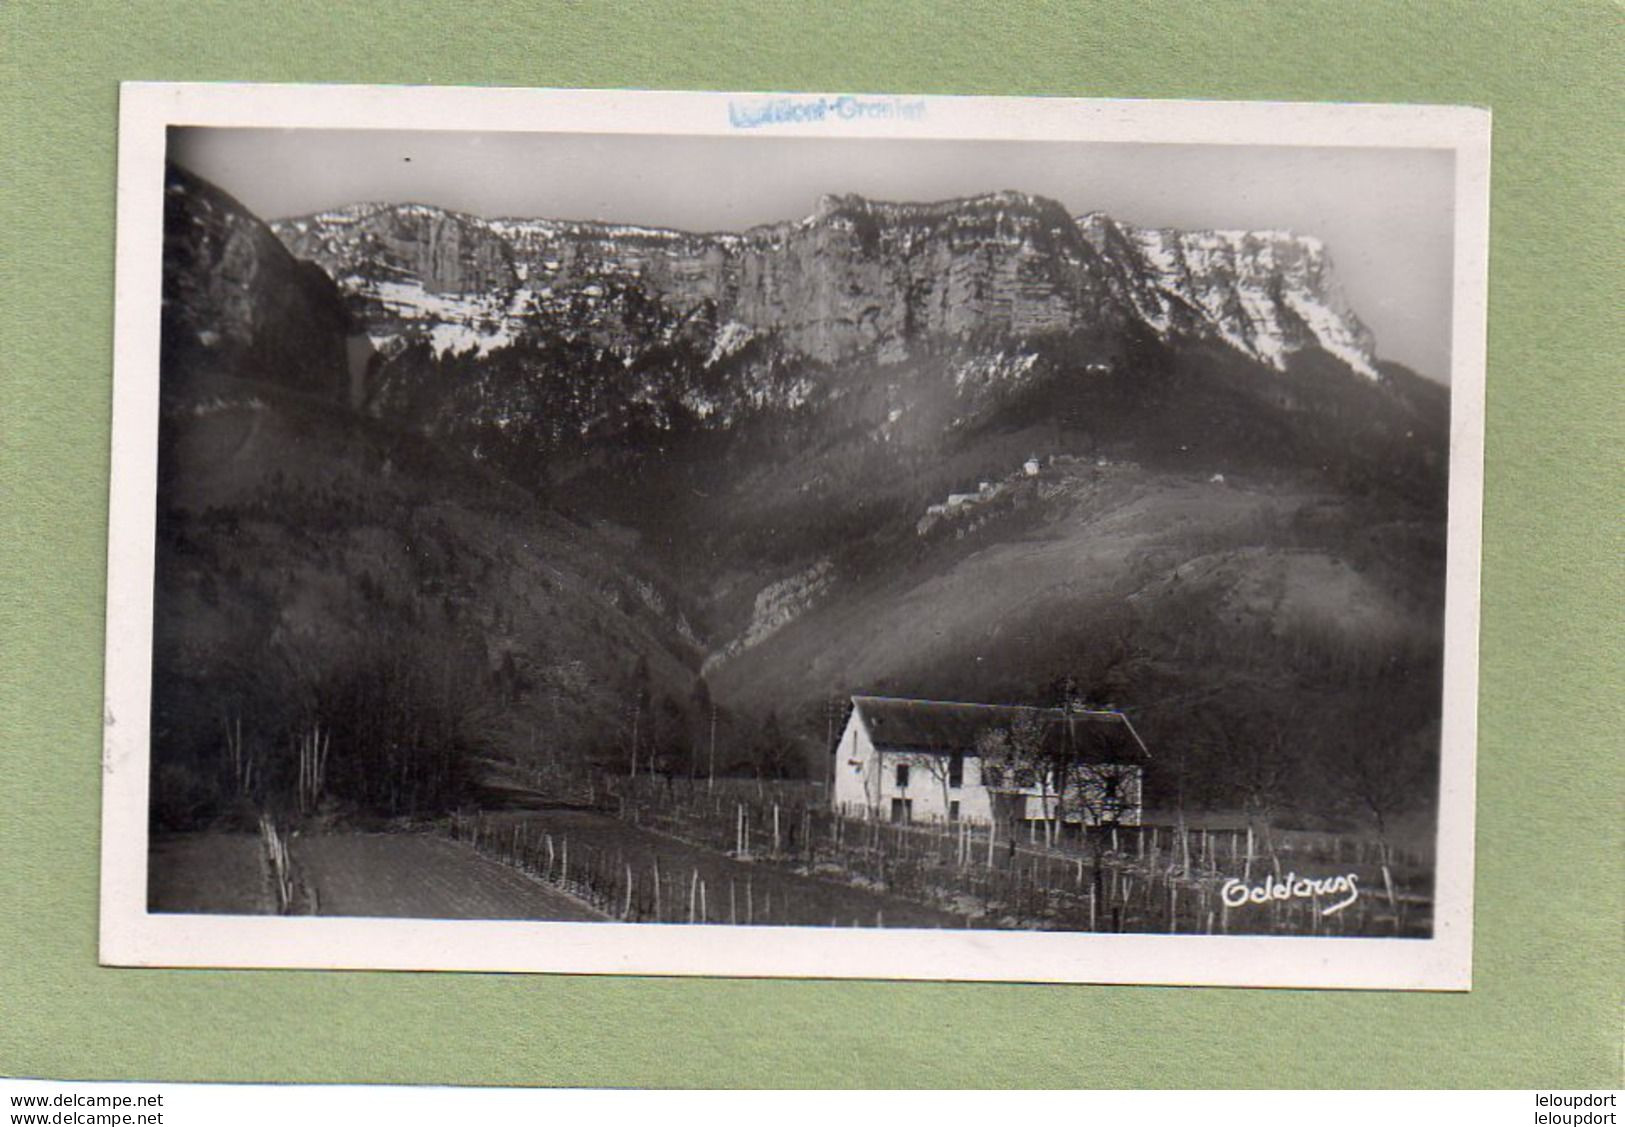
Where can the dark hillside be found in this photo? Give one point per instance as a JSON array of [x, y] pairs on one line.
[[321, 572], [236, 301], [314, 569]]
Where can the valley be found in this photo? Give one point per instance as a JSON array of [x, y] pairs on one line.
[[594, 502]]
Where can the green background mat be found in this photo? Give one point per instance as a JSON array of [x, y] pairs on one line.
[[1546, 1007]]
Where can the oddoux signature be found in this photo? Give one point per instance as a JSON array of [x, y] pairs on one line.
[[1237, 892]]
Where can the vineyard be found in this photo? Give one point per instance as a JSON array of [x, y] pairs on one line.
[[676, 851], [636, 873]]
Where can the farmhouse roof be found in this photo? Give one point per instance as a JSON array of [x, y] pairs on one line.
[[945, 727]]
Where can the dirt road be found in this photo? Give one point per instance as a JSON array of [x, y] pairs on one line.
[[418, 876], [412, 876]]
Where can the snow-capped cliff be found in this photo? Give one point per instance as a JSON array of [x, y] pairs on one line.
[[855, 276], [1267, 293]]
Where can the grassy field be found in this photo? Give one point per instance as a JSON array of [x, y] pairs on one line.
[[1016, 597]]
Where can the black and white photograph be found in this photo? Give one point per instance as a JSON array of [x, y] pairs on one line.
[[836, 535]]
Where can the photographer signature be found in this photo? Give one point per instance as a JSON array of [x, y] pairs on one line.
[[1237, 892]]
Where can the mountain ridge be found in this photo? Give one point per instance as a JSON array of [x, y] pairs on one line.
[[855, 274]]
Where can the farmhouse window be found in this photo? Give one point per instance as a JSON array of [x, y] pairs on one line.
[[956, 770], [953, 810], [902, 776], [902, 811]]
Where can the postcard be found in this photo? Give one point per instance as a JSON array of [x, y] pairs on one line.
[[811, 534]]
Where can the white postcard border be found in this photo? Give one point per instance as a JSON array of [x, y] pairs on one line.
[[130, 936]]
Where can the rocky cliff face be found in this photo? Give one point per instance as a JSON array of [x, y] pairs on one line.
[[860, 275], [855, 276], [1267, 293]]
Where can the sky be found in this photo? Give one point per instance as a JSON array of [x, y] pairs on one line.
[[1385, 215]]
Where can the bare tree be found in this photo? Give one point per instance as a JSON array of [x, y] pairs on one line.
[[1260, 764], [242, 758], [312, 747], [641, 694], [1018, 756], [1099, 792], [1380, 776]]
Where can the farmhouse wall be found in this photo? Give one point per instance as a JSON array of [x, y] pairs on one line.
[[852, 754], [865, 784]]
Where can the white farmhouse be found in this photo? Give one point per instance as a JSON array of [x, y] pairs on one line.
[[917, 761]]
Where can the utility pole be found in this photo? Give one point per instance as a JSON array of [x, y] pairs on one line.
[[637, 711], [829, 747], [1068, 764], [711, 779]]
